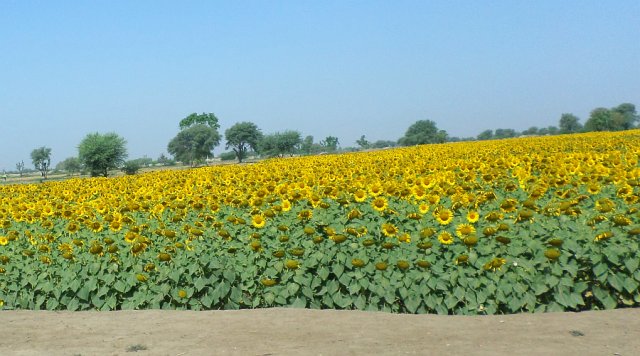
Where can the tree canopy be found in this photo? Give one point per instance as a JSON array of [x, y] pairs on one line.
[[569, 123], [70, 165], [423, 132], [41, 158], [279, 144], [200, 119], [330, 143], [241, 137], [194, 143], [100, 153]]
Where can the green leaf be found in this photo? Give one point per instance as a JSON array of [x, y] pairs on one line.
[[323, 273], [199, 283], [299, 303], [269, 298], [338, 269], [52, 304], [73, 305], [615, 281], [293, 288], [515, 304], [412, 304], [576, 299], [83, 293], [604, 298], [632, 264], [360, 302], [229, 275], [631, 285]]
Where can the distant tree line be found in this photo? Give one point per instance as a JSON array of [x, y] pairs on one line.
[[198, 135]]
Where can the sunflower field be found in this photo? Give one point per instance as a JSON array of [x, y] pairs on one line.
[[517, 225]]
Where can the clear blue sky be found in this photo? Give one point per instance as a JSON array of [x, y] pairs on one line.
[[341, 68]]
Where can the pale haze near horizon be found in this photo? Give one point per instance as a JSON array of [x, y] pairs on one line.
[[336, 68]]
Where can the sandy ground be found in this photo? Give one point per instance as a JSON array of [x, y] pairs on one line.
[[316, 332]]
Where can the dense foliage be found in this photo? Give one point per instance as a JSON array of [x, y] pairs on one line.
[[532, 224]]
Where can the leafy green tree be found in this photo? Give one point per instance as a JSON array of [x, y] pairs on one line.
[[131, 167], [279, 144], [330, 143], [200, 119], [533, 130], [423, 132], [485, 135], [599, 120], [228, 156], [241, 137], [504, 133], [363, 143], [552, 130], [194, 144], [624, 116], [70, 165], [269, 145], [165, 161], [569, 123], [384, 144], [41, 158], [307, 145], [100, 153]]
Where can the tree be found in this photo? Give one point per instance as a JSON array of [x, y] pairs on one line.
[[599, 120], [241, 137], [485, 135], [552, 130], [41, 158], [363, 143], [131, 167], [423, 132], [624, 116], [202, 119], [569, 123], [504, 133], [20, 168], [288, 142], [279, 144], [330, 143], [100, 153], [70, 165], [533, 130], [383, 144], [307, 145], [194, 144], [165, 161]]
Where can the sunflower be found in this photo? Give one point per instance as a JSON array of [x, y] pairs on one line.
[[305, 214], [379, 204], [445, 238], [354, 214], [508, 205], [115, 225], [360, 195], [389, 229], [473, 216], [443, 216], [4, 240], [423, 208], [258, 221], [72, 227], [464, 230], [406, 238], [286, 205]]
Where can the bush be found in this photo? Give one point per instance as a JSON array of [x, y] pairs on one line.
[[131, 167], [228, 156]]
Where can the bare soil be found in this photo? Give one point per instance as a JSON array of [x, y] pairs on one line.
[[316, 332]]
